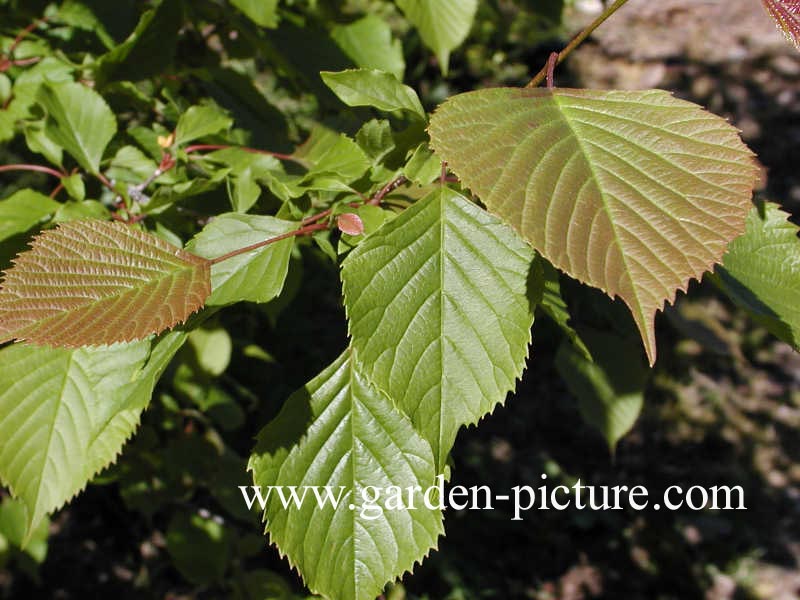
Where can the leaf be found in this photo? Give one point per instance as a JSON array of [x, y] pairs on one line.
[[133, 166], [368, 87], [442, 24], [200, 547], [74, 186], [79, 120], [376, 140], [262, 12], [340, 430], [350, 223], [76, 211], [37, 141], [553, 306], [369, 44], [761, 272], [148, 50], [169, 194], [212, 347], [65, 414], [423, 167], [371, 217], [326, 152], [437, 306], [201, 121], [609, 387], [787, 16], [634, 192], [78, 15], [13, 529], [23, 210], [248, 168], [94, 282], [256, 276]]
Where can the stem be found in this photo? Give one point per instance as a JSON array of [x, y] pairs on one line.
[[23, 34], [576, 41], [24, 62], [198, 147], [551, 66], [389, 187], [310, 224], [104, 180], [305, 230], [36, 168]]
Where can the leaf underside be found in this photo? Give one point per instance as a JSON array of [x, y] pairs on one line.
[[356, 438], [95, 282], [437, 299], [786, 14], [635, 193]]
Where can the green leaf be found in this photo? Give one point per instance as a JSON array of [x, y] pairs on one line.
[[24, 210], [786, 14], [609, 387], [8, 122], [148, 50], [376, 140], [633, 192], [76, 211], [14, 529], [133, 166], [200, 547], [761, 272], [212, 346], [341, 431], [423, 167], [94, 282], [201, 121], [248, 168], [256, 276], [262, 12], [326, 152], [166, 195], [37, 141], [5, 89], [74, 186], [553, 306], [368, 43], [65, 414], [79, 120], [442, 24], [80, 16], [368, 87], [437, 306]]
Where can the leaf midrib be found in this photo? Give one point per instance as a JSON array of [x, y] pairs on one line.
[[606, 209]]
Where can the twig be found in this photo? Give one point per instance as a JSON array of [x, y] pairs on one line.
[[311, 224], [576, 41], [387, 189], [23, 34], [305, 230], [37, 168]]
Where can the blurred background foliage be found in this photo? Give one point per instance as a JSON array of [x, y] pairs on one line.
[[721, 408]]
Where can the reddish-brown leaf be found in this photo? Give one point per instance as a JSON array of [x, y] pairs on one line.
[[350, 223], [95, 282], [787, 15]]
